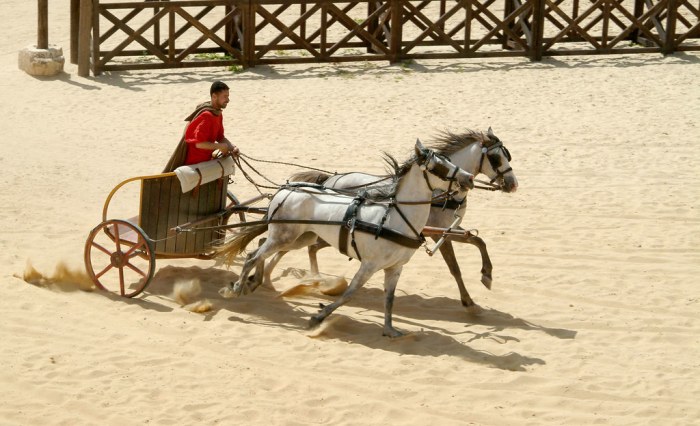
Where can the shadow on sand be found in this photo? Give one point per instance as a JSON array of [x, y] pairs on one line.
[[265, 307], [142, 80]]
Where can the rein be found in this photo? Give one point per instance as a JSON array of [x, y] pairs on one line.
[[286, 164]]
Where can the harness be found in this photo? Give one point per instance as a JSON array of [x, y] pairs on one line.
[[351, 223]]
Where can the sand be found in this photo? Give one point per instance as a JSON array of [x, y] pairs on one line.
[[592, 318]]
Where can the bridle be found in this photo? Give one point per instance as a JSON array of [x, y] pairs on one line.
[[495, 165], [439, 170]]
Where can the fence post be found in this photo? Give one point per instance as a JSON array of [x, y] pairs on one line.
[[84, 39], [42, 41], [670, 41], [638, 12], [371, 25], [74, 26], [248, 9], [507, 10], [537, 30], [396, 31]]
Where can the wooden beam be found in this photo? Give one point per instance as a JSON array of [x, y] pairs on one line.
[[84, 40], [537, 38], [74, 26], [670, 41], [42, 41], [396, 31]]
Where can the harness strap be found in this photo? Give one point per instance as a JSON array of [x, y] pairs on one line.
[[449, 204], [389, 234], [348, 224], [416, 233], [199, 183], [381, 223]]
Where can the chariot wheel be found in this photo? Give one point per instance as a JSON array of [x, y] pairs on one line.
[[119, 257]]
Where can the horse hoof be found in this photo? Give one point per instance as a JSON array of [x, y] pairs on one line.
[[314, 322], [486, 281], [392, 333], [227, 293], [474, 309]]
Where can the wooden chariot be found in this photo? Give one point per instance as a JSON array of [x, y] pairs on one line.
[[120, 254]]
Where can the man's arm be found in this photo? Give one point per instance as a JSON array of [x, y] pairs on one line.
[[232, 149], [221, 146]]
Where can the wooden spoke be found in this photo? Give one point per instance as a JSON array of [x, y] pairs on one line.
[[104, 271], [135, 269], [133, 249], [102, 249]]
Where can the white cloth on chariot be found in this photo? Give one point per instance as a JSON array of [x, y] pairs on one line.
[[207, 171]]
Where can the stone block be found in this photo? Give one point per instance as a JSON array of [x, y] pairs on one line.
[[41, 62]]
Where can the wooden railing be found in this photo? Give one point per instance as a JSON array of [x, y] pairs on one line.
[[130, 35]]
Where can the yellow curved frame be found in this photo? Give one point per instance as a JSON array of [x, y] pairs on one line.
[[116, 188]]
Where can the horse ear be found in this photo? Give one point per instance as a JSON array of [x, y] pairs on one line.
[[490, 132], [419, 147]]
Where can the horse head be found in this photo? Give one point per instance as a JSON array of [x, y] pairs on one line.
[[441, 167], [497, 168]]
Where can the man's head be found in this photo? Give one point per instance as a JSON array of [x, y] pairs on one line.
[[219, 94]]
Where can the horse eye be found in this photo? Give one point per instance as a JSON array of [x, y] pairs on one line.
[[495, 161]]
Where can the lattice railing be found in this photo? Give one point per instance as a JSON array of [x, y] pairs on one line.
[[195, 33]]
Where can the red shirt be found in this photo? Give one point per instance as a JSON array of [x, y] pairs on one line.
[[207, 127]]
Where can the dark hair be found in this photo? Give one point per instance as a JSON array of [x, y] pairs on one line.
[[218, 86]]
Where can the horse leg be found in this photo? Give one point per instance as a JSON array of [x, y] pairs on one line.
[[360, 278], [448, 254], [271, 265], [313, 260], [486, 267], [257, 277], [303, 240], [256, 259], [391, 279]]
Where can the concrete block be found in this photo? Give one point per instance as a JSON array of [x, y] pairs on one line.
[[43, 62]]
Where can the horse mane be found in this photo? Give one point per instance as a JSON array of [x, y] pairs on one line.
[[395, 171], [447, 143]]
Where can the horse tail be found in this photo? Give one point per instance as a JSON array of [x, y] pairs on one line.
[[310, 176], [234, 245]]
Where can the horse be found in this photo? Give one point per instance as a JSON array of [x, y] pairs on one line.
[[379, 227], [475, 152]]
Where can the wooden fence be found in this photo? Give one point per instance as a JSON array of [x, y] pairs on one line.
[[130, 35]]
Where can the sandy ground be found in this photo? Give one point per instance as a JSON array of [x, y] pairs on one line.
[[592, 319]]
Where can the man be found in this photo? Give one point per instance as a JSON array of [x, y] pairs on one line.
[[205, 132]]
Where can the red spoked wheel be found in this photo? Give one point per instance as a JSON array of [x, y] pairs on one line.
[[119, 257]]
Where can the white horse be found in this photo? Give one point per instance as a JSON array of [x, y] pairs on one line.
[[381, 228], [475, 152]]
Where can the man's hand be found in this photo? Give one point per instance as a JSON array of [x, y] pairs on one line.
[[231, 149]]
